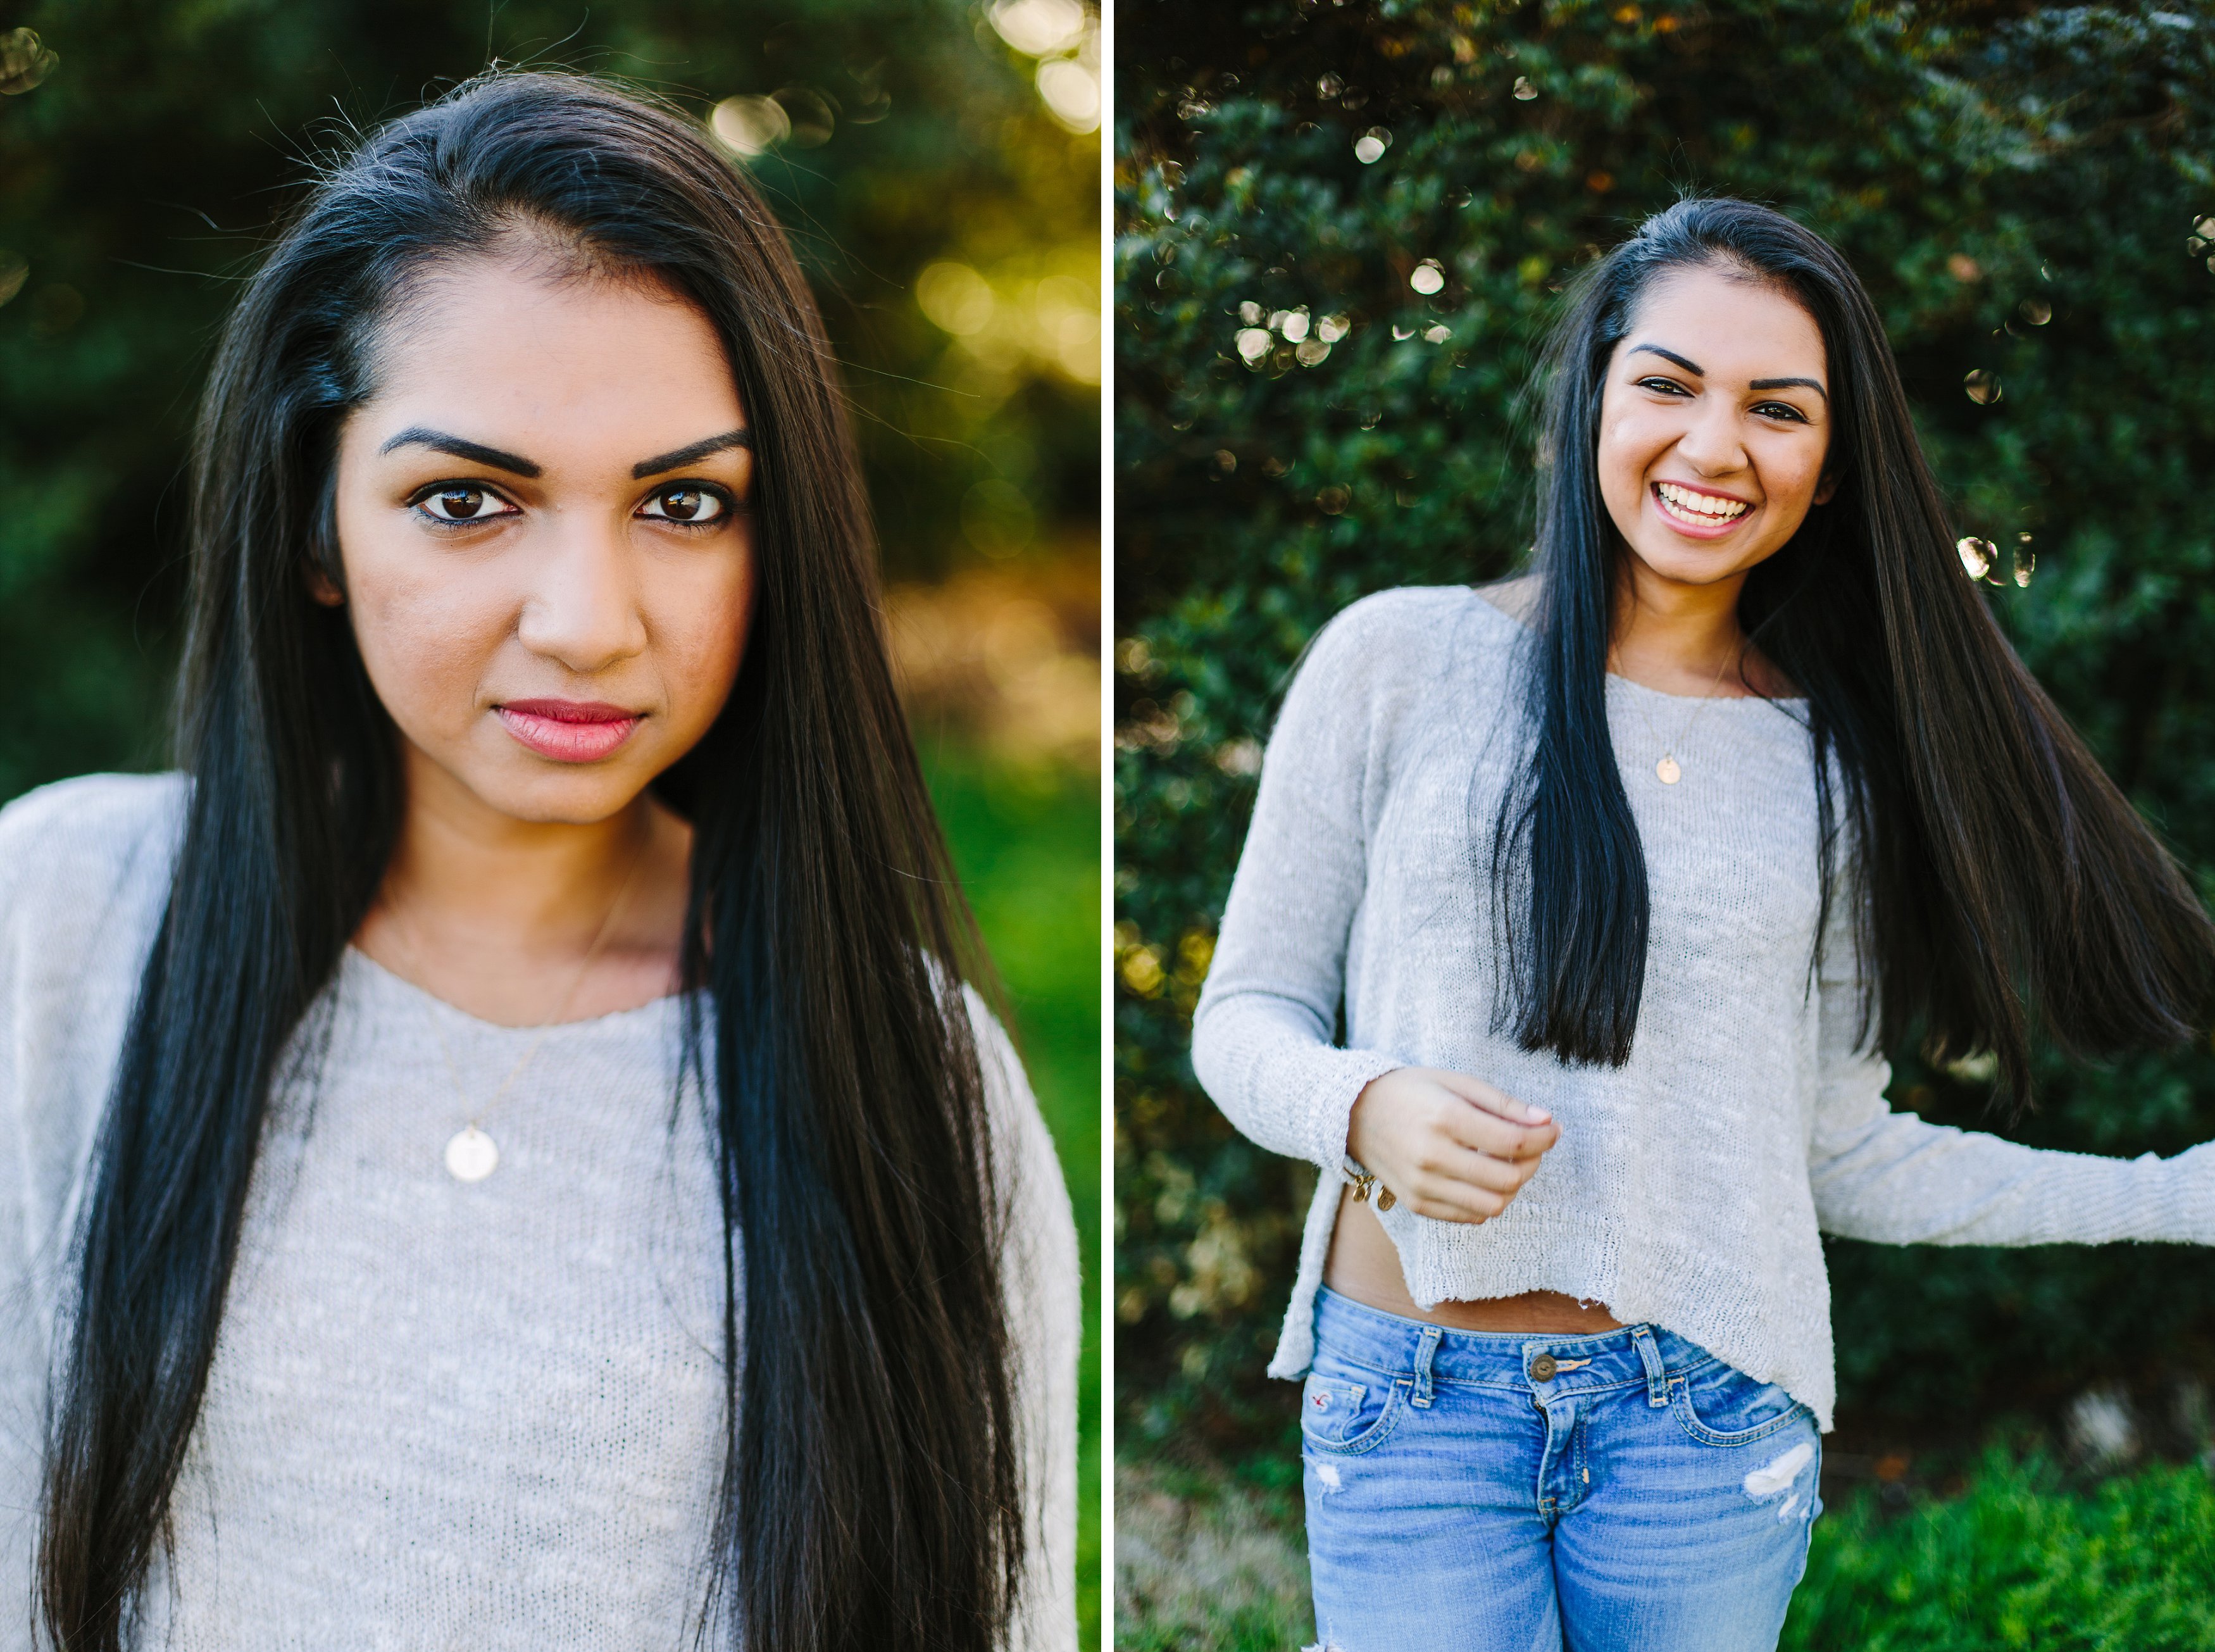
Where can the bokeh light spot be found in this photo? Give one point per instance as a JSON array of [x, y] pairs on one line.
[[956, 298], [23, 61], [1072, 92], [1038, 27], [750, 125]]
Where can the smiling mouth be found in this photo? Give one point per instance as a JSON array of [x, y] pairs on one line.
[[1697, 509]]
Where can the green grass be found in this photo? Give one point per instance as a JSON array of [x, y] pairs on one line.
[[2019, 1558], [1026, 843]]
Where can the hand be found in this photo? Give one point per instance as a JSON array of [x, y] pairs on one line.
[[1448, 1146]]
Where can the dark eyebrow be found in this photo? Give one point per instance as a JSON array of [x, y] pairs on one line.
[[1691, 367], [684, 455], [1782, 384], [439, 442]]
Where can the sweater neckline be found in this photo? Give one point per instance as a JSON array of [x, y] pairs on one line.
[[1616, 680], [397, 986]]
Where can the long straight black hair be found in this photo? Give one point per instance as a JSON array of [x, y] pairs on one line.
[[2003, 883], [870, 1493]]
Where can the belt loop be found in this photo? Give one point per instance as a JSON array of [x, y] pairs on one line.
[[1427, 1344], [1649, 1354]]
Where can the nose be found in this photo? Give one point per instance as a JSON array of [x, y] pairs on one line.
[[582, 608], [1711, 444]]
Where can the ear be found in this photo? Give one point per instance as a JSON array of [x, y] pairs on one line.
[[1826, 488], [323, 588]]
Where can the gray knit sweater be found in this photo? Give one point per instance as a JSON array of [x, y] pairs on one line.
[[1688, 1185], [440, 1414]]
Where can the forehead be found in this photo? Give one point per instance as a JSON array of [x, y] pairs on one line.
[[1737, 327], [504, 352]]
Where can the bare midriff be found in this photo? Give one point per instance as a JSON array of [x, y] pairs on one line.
[[1365, 1265]]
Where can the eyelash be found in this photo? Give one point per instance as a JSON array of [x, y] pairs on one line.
[[1791, 413], [422, 496]]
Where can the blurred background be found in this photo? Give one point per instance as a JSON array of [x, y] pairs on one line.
[[1340, 229], [938, 165]]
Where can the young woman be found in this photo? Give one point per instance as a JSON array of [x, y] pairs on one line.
[[500, 1152], [1622, 875]]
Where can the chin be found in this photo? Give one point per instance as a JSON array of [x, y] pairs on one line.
[[580, 797], [1688, 565]]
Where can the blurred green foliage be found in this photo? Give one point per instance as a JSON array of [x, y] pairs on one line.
[[1339, 230], [138, 180]]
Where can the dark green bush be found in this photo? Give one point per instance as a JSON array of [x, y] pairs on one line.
[[2022, 191]]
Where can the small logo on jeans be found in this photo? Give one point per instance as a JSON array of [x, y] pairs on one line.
[[1321, 1402]]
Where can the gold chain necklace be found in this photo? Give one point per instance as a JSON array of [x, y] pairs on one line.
[[1667, 770], [471, 1154]]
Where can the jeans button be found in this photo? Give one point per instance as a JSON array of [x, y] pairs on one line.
[[1541, 1368]]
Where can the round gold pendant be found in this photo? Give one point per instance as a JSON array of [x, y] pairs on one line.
[[1667, 769], [471, 1156]]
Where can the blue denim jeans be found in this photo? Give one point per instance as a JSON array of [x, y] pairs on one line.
[[1474, 1491]]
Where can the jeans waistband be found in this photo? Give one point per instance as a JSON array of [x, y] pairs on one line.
[[1396, 1346]]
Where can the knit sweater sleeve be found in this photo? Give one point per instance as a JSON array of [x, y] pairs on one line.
[[1893, 1178], [1044, 1297], [82, 874], [1262, 1043], [23, 1342]]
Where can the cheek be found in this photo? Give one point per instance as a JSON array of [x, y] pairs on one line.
[[1628, 447], [427, 633], [1790, 476], [698, 612]]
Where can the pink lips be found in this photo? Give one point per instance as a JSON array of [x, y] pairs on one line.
[[568, 731]]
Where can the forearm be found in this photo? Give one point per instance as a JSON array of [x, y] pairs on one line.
[[1268, 1064], [1905, 1181]]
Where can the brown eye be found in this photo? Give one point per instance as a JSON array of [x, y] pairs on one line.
[[460, 503], [693, 506]]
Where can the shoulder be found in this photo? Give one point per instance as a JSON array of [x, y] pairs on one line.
[[1394, 659], [71, 851], [1411, 636], [1408, 625], [75, 835]]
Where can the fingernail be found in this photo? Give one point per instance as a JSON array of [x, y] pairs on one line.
[[1539, 1115]]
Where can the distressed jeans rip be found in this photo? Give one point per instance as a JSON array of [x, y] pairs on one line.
[[1328, 1473], [1779, 1472]]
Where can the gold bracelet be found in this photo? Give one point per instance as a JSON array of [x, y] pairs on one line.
[[1362, 1182]]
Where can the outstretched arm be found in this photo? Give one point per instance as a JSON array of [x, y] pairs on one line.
[[1893, 1177]]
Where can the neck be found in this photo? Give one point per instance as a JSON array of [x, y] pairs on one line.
[[497, 915], [1677, 637], [462, 867]]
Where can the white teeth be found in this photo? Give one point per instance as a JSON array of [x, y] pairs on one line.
[[1692, 504]]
